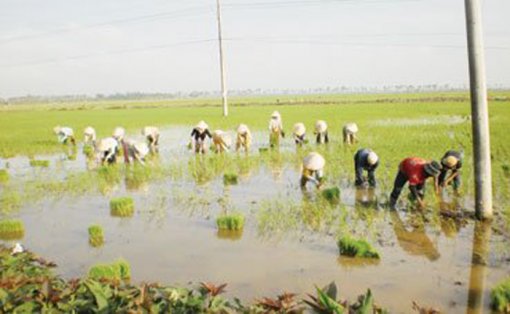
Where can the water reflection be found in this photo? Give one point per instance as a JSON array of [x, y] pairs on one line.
[[479, 263], [232, 235], [366, 197], [356, 262], [416, 241]]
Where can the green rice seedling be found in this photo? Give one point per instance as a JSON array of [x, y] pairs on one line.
[[88, 151], [122, 207], [230, 179], [230, 222], [263, 150], [39, 163], [118, 270], [96, 236], [331, 194], [11, 229], [500, 296], [349, 246], [506, 170], [10, 200], [4, 176]]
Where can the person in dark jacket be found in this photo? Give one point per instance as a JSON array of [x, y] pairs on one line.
[[451, 162], [198, 136], [365, 159], [416, 171]]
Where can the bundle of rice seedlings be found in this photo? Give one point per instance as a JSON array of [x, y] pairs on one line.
[[11, 229], [122, 207], [230, 222], [230, 179], [39, 163], [349, 246], [96, 236], [500, 296], [118, 270], [331, 194]]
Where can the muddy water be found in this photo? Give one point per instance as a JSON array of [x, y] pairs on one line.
[[172, 238]]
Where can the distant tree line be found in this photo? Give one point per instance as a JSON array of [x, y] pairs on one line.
[[245, 92]]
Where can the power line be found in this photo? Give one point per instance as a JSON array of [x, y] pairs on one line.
[[294, 3], [193, 11]]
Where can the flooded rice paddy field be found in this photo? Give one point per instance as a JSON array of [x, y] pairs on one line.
[[288, 242]]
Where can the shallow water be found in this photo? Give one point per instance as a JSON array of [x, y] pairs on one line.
[[172, 237]]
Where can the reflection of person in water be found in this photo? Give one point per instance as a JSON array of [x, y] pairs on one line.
[[366, 197], [415, 242]]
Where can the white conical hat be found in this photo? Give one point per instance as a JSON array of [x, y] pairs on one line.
[[89, 131], [119, 132], [202, 126], [56, 129], [299, 129], [220, 136], [321, 126], [372, 158], [242, 129], [450, 161], [314, 161], [276, 115], [351, 127], [150, 130]]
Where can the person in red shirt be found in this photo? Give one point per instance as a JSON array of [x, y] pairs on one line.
[[416, 171]]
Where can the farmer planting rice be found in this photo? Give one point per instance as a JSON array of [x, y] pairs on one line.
[[243, 138], [365, 160], [89, 136], [198, 137], [416, 171], [451, 162], [275, 129], [64, 134], [107, 150], [321, 131], [119, 133], [312, 169], [299, 133], [349, 131], [136, 151], [151, 133], [221, 141]]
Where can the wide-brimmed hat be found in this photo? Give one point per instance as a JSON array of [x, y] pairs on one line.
[[275, 115], [299, 129], [150, 130], [351, 127], [321, 126], [433, 168], [372, 158], [202, 126], [242, 129], [56, 129], [119, 133], [450, 161], [106, 144], [314, 161]]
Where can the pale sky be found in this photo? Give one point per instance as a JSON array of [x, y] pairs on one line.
[[54, 47]]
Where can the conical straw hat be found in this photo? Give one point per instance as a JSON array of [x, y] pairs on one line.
[[351, 127], [314, 161], [321, 126], [275, 115], [299, 129], [450, 161], [372, 158], [202, 126], [242, 129], [119, 132]]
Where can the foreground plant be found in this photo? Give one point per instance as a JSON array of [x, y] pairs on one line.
[[96, 236], [230, 222], [349, 246], [11, 229], [284, 303], [331, 194], [122, 207], [500, 296]]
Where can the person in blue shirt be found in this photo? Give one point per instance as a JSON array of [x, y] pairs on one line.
[[365, 160]]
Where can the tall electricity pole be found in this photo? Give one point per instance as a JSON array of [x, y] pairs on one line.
[[479, 111], [222, 62]]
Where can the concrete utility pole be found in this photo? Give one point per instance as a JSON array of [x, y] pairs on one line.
[[479, 111], [222, 62]]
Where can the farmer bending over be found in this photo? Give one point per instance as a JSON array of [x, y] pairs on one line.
[[89, 136], [221, 141], [365, 159], [243, 138], [416, 171], [107, 150], [275, 129], [312, 169], [198, 136], [349, 131], [151, 133], [64, 134], [321, 130], [137, 151], [299, 133], [451, 162]]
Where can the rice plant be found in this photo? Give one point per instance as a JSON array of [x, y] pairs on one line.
[[122, 207], [230, 179], [39, 163], [4, 176], [230, 222], [11, 229], [96, 235], [118, 270], [500, 296], [349, 246]]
